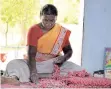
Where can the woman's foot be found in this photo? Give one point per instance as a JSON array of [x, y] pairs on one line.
[[9, 80]]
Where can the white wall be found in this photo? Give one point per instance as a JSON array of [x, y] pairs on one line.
[[76, 42], [97, 33]]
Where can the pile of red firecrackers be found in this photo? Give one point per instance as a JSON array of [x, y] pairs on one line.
[[76, 79]]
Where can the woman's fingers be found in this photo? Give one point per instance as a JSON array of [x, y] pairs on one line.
[[34, 78]]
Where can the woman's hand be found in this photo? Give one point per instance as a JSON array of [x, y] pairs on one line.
[[34, 77], [60, 60]]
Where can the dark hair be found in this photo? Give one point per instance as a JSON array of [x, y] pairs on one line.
[[49, 9]]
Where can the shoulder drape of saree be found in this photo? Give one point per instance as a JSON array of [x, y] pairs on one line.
[[50, 44]]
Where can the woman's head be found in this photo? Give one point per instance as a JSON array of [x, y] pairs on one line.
[[48, 15]]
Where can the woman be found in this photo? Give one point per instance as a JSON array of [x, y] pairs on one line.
[[52, 39], [45, 41]]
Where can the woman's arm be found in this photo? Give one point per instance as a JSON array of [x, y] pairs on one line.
[[32, 38], [31, 59], [32, 63], [67, 54]]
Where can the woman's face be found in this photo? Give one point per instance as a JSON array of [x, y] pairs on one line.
[[48, 21]]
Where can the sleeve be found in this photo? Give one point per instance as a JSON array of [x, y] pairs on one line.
[[32, 37], [67, 42]]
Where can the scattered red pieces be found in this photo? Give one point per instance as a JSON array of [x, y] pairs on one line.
[[76, 79]]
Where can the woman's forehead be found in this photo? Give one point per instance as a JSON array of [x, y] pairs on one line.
[[49, 16]]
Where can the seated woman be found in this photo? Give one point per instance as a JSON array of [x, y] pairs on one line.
[[45, 41]]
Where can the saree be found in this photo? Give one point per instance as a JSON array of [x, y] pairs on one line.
[[51, 44]]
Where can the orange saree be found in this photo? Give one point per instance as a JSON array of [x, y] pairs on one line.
[[51, 44]]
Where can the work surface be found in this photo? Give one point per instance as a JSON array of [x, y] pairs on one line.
[[76, 79]]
